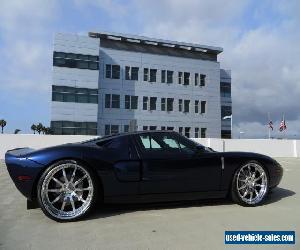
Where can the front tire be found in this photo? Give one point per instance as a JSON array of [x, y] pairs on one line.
[[250, 184], [67, 191]]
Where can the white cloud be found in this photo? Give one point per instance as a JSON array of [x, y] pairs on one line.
[[260, 46], [26, 45], [25, 16], [260, 41], [113, 8]]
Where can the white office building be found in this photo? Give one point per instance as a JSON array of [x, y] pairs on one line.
[[107, 83]]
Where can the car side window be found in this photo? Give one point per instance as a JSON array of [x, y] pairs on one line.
[[185, 145], [149, 143], [172, 143], [161, 142]]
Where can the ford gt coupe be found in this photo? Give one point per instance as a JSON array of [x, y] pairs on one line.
[[67, 181]]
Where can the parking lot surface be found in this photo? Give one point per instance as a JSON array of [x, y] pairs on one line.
[[187, 225]]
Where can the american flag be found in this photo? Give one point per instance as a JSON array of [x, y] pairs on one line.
[[282, 125], [270, 125]]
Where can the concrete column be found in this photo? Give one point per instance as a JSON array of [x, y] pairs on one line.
[[295, 148]]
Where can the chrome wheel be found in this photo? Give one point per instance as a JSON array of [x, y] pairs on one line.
[[67, 191], [252, 183]]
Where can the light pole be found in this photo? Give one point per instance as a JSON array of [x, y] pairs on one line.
[[241, 132], [229, 117]]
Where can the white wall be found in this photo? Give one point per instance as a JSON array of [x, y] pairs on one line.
[[12, 141], [274, 148]]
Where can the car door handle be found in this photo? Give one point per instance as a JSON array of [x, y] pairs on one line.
[[222, 163]]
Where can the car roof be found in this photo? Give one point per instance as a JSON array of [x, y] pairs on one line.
[[136, 133], [113, 136]]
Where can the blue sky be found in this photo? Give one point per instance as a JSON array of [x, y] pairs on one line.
[[260, 41]]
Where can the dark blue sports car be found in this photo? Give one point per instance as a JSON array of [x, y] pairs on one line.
[[68, 180]]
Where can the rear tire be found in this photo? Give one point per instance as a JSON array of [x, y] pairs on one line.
[[250, 184], [67, 191]]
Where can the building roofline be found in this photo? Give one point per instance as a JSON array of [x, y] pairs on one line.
[[157, 42]]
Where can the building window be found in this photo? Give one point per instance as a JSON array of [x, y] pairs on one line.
[[108, 70], [112, 101], [72, 94], [153, 75], [111, 129], [134, 102], [179, 77], [196, 132], [73, 128], [170, 128], [126, 128], [131, 102], [112, 71], [203, 132], [196, 106], [186, 106], [202, 80], [107, 100], [169, 76], [203, 107], [226, 111], [186, 78], [196, 79], [115, 72], [107, 130], [180, 105], [132, 73], [71, 60], [152, 127], [163, 76], [153, 103], [145, 102], [145, 128], [146, 74], [187, 132], [163, 127], [135, 73], [115, 101], [180, 130], [170, 102], [226, 134], [163, 104], [225, 89]]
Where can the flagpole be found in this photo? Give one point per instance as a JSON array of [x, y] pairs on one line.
[[231, 126], [284, 128], [269, 125]]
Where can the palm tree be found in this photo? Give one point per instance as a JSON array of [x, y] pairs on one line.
[[39, 128], [33, 128], [48, 131], [2, 124], [44, 130], [17, 131]]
